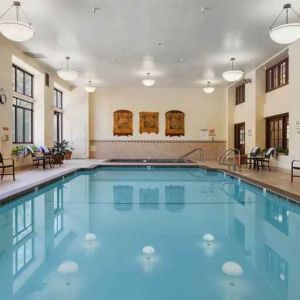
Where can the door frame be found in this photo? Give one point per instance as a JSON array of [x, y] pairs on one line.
[[237, 127]]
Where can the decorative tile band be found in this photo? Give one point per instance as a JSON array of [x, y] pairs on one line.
[[160, 141]]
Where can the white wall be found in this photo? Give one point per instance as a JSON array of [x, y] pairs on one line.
[[202, 111]]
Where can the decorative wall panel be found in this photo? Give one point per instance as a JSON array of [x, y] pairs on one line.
[[149, 122], [123, 122], [174, 123]]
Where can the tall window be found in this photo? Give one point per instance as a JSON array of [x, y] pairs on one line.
[[22, 127], [58, 115], [277, 133], [277, 75], [22, 81], [240, 94]]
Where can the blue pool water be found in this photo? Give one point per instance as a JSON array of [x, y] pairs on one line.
[[82, 238]]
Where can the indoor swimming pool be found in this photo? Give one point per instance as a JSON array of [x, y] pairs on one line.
[[157, 233]]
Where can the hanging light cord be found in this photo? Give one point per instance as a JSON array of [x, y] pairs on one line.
[[18, 16], [287, 15], [6, 11]]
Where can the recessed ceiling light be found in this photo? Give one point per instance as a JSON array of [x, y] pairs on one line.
[[181, 59]]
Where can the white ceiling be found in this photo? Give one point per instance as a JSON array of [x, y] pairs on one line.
[[172, 39]]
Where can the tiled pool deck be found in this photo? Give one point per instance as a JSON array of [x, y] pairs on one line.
[[26, 179]]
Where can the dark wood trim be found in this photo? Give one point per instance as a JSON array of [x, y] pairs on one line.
[[272, 69], [240, 94]]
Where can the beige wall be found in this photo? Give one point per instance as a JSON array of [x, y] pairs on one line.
[[43, 103], [202, 111], [259, 105]]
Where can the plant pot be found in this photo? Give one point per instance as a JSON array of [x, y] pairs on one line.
[[68, 155], [58, 159]]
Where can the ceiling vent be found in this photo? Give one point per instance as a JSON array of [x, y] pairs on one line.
[[35, 55]]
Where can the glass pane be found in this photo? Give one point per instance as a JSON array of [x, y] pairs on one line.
[[28, 85], [20, 82], [13, 132], [28, 124], [20, 125], [13, 78]]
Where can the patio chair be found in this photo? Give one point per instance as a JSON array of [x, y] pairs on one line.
[[265, 159], [55, 157], [295, 166], [4, 166], [250, 159], [38, 160]]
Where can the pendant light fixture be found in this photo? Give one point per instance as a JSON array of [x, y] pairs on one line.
[[67, 74], [288, 32], [89, 88], [18, 30], [208, 89], [148, 81], [233, 74]]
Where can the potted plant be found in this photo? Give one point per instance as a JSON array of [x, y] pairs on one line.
[[62, 150], [18, 151]]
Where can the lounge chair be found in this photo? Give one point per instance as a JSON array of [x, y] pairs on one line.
[[295, 166], [4, 166]]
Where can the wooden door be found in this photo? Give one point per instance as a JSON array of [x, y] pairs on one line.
[[239, 137]]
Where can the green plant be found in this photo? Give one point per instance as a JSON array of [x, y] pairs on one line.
[[62, 147], [282, 151], [18, 150]]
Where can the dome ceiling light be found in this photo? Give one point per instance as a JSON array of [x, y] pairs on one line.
[[148, 81], [233, 74], [16, 30], [89, 88], [208, 89], [288, 32], [67, 74]]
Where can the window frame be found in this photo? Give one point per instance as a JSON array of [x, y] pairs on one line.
[[56, 92], [58, 115], [15, 69], [285, 122], [240, 94], [272, 71], [16, 107]]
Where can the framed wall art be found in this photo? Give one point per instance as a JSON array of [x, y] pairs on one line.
[[123, 120], [149, 122], [174, 123]]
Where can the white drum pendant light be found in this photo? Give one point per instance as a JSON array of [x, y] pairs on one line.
[[67, 74], [208, 89], [89, 88], [17, 30], [148, 81], [233, 74], [286, 33]]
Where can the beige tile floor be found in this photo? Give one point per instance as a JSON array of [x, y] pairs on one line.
[[276, 180]]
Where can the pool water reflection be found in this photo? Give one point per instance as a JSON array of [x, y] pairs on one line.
[[210, 237]]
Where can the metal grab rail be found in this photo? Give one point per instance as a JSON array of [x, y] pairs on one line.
[[191, 152], [233, 161]]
